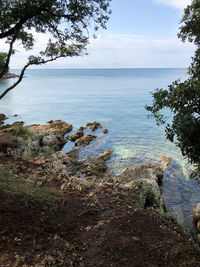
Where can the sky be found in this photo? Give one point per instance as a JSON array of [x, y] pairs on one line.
[[140, 34]]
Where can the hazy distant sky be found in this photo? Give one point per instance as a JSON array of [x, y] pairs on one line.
[[140, 34]]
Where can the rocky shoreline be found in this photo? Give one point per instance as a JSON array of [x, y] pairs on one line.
[[9, 76], [102, 210]]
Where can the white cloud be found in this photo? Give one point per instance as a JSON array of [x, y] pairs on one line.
[[119, 51], [130, 51], [174, 3]]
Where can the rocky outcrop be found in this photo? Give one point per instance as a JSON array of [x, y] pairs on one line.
[[33, 140], [56, 127], [148, 179], [78, 134], [94, 125], [85, 140], [9, 76]]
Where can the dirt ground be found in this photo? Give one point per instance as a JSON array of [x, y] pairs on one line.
[[76, 228]]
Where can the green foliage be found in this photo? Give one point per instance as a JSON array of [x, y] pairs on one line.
[[67, 23], [3, 57], [19, 130], [183, 98]]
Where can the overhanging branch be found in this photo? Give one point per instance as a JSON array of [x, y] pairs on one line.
[[23, 71]]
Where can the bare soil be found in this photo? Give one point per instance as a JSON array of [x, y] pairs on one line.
[[79, 229]]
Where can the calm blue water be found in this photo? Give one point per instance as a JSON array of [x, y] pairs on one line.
[[115, 98]]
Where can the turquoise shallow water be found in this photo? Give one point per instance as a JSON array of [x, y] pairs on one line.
[[115, 98]]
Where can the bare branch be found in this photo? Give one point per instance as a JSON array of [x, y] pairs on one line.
[[23, 71]]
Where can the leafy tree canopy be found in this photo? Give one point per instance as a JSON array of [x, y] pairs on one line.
[[67, 22], [183, 98]]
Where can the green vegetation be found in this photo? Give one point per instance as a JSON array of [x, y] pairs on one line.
[[19, 130], [67, 22], [183, 98], [28, 191], [3, 57]]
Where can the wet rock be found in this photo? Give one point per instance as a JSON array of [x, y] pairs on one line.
[[85, 140], [106, 155], [166, 161], [78, 134], [105, 131], [94, 125]]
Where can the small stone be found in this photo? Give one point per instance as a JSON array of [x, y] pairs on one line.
[[166, 161], [106, 154], [105, 131]]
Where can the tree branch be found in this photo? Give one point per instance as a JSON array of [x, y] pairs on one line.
[[23, 71]]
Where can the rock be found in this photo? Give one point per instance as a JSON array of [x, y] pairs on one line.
[[148, 177], [79, 133], [105, 131], [60, 155], [9, 76], [52, 141], [166, 161], [85, 140], [57, 127], [81, 128], [34, 145], [106, 155], [93, 166], [94, 125], [2, 118], [198, 226], [196, 212]]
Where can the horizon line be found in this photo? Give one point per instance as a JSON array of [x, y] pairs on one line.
[[101, 68]]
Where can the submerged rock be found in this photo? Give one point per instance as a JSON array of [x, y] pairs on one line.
[[94, 125], [85, 140]]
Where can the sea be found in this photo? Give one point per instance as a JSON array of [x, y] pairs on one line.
[[115, 98]]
